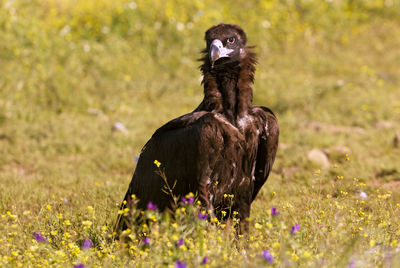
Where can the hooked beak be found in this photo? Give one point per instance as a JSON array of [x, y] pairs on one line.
[[217, 51]]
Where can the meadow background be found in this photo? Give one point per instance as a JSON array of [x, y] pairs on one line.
[[70, 70]]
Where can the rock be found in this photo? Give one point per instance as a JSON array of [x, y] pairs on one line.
[[337, 149], [396, 140], [284, 146], [289, 171], [383, 124], [118, 126], [318, 157]]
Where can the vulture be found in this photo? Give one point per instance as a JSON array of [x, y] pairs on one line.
[[226, 146]]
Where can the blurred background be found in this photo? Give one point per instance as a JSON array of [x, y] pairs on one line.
[[84, 84]]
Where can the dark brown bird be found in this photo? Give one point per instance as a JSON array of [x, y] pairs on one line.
[[225, 146]]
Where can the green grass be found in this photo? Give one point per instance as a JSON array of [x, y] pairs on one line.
[[70, 69]]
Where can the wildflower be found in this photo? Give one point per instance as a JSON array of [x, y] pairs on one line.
[[306, 254], [187, 201], [372, 243], [80, 265], [202, 216], [205, 260], [146, 241], [267, 256], [363, 195], [180, 242], [274, 212], [351, 264], [180, 264], [39, 237], [258, 226], [151, 206], [157, 163], [87, 243], [295, 228], [87, 223]]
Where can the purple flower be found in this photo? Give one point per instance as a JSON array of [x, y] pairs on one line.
[[202, 216], [274, 212], [146, 241], [205, 260], [267, 256], [39, 237], [80, 265], [87, 243], [151, 206], [295, 228], [351, 264], [187, 201], [180, 264], [180, 242]]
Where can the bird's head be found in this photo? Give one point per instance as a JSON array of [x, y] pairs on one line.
[[226, 44]]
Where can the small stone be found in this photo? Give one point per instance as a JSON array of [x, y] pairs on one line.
[[337, 149], [318, 157], [118, 126], [383, 124]]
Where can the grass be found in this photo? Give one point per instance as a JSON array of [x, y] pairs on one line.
[[71, 69]]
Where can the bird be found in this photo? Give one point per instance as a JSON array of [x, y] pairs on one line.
[[224, 147]]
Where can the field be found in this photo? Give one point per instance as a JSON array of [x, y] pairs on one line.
[[71, 70]]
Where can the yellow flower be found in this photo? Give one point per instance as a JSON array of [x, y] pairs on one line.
[[48, 207], [67, 222], [294, 257], [87, 223], [26, 212], [306, 254], [157, 163], [175, 237], [258, 226], [66, 235], [90, 208], [372, 242]]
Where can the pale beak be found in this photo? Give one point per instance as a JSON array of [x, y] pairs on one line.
[[217, 51]]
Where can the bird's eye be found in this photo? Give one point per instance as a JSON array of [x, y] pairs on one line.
[[231, 40]]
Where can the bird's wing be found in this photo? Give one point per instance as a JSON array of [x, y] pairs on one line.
[[174, 145], [267, 145]]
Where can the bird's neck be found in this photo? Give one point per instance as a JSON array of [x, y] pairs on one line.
[[229, 91]]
